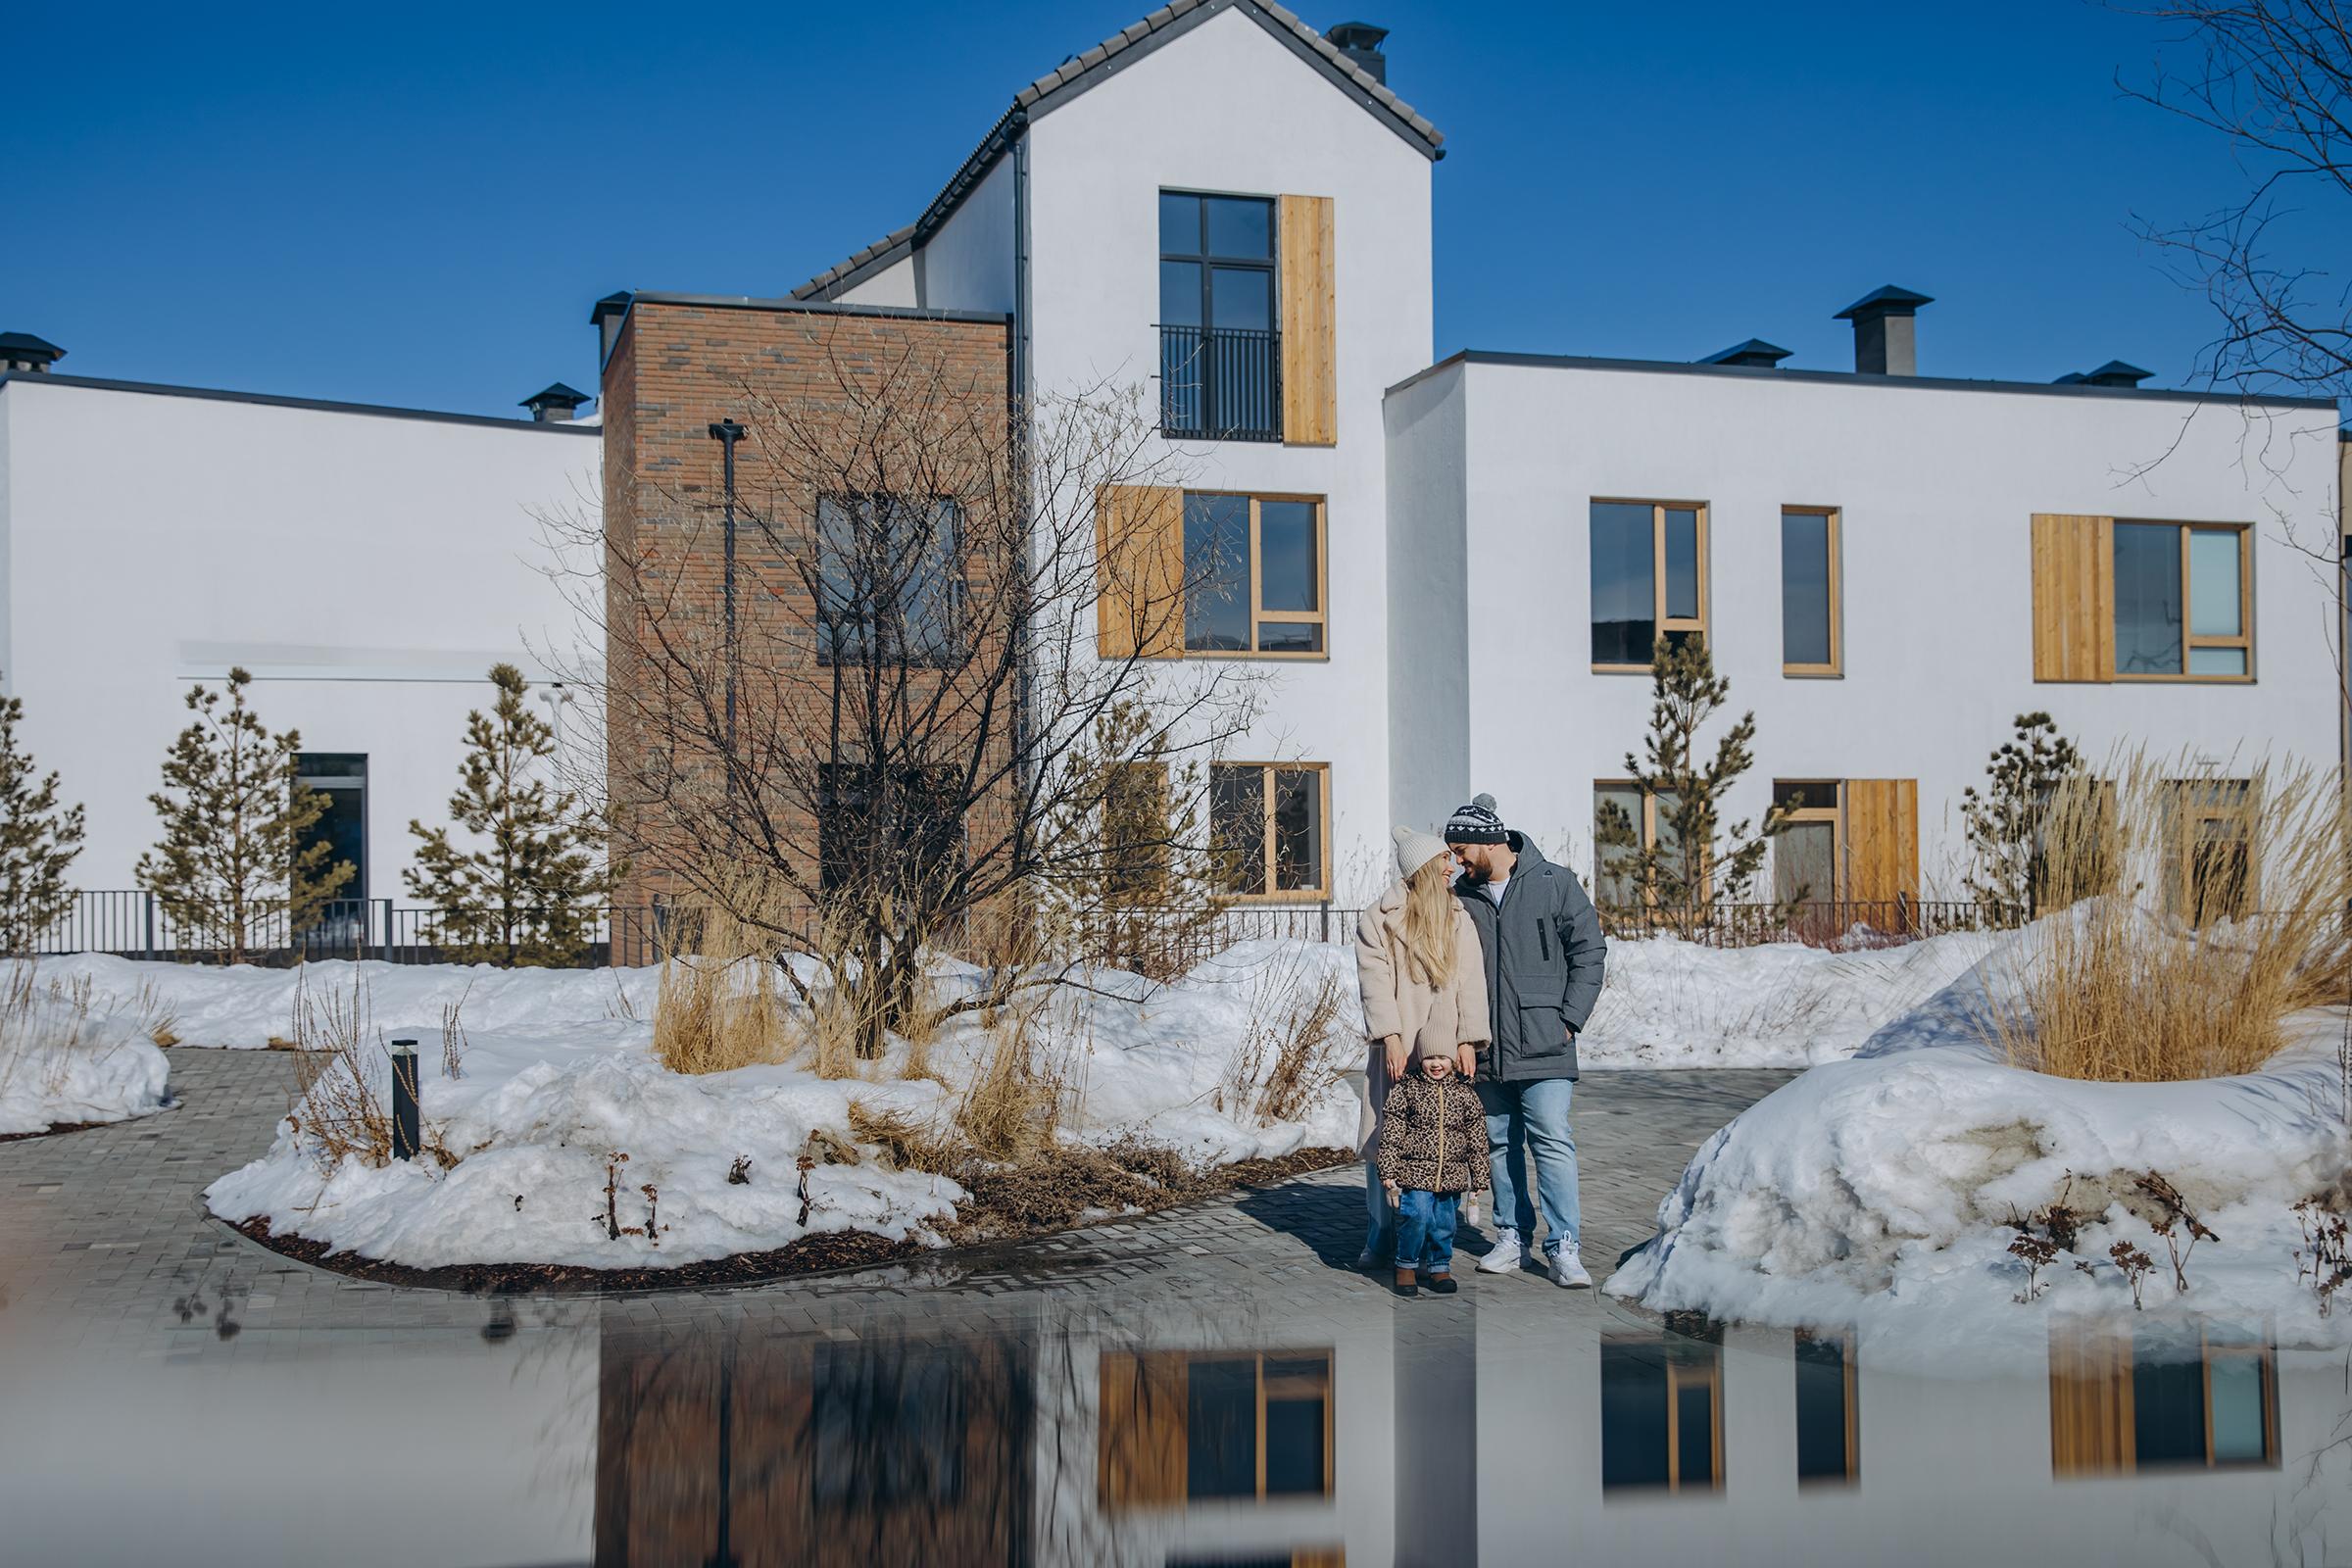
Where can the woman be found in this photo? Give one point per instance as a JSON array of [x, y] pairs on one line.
[[1424, 986]]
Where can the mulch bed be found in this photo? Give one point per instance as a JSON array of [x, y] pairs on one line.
[[61, 1129], [830, 1252]]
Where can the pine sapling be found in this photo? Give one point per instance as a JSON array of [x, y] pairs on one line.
[[38, 841], [527, 892], [2008, 824]]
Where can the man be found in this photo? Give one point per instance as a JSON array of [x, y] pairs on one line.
[[1545, 954]]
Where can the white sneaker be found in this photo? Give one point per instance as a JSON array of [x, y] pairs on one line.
[[1568, 1270], [1503, 1256]]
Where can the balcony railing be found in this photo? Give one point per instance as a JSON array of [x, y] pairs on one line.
[[1220, 386]]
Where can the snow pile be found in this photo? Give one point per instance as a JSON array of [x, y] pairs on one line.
[[1675, 1003], [70, 1053], [522, 1154], [1881, 1190]]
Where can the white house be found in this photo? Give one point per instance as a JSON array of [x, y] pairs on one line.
[[367, 565]]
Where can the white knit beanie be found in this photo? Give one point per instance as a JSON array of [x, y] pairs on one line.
[[1415, 849]]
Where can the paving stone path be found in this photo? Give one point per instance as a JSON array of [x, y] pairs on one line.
[[103, 1231]]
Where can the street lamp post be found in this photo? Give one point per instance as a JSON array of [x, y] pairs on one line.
[[556, 700], [726, 432]]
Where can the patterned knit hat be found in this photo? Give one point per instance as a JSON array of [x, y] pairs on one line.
[[1477, 824]]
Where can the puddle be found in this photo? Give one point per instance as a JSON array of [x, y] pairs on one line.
[[1180, 1436]]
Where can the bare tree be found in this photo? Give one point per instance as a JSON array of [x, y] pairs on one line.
[[888, 724]]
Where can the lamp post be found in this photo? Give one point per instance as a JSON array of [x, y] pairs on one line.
[[726, 432], [556, 700]]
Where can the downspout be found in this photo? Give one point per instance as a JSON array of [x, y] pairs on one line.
[[1020, 396]]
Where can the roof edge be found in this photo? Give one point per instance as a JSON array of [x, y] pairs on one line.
[[381, 411], [793, 306]]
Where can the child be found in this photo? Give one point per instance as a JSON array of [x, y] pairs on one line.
[[1433, 1149]]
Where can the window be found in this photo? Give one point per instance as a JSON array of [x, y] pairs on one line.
[[1185, 1428], [1810, 607], [1219, 358], [1806, 853], [1625, 822], [342, 777], [890, 579], [1649, 578], [2123, 1401], [2209, 849], [2183, 601], [897, 822], [1828, 1433], [1253, 575], [1661, 1414], [1265, 826]]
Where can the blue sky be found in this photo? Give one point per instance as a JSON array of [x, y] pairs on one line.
[[417, 204]]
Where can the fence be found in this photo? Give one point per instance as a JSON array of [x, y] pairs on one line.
[[133, 924]]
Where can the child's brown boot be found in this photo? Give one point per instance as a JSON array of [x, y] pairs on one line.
[[1440, 1285], [1407, 1282]]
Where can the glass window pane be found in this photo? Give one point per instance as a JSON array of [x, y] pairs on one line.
[[1295, 1448], [1298, 830], [1805, 863], [1241, 299], [1663, 832], [1220, 1429], [2239, 1427], [1180, 294], [1179, 225], [2217, 660], [1804, 588], [1236, 827], [2213, 583], [1240, 226], [1289, 637], [1624, 584], [1799, 795], [1633, 1415], [341, 777], [1682, 565], [2147, 599], [1287, 575], [1820, 1409], [1616, 814], [1217, 573]]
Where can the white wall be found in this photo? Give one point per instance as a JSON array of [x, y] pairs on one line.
[[1429, 602], [367, 569], [1936, 488], [1227, 107], [893, 285], [969, 264]]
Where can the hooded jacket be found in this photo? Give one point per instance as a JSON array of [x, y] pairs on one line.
[[1432, 1020], [1543, 957], [1433, 1137]]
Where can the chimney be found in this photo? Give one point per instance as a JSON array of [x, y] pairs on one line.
[[2115, 373], [1359, 42], [1755, 353], [555, 405], [1884, 340], [22, 351], [605, 318]]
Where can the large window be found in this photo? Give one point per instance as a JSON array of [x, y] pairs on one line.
[[1810, 607], [1253, 575], [1184, 1428], [890, 579], [1219, 358], [342, 777], [1661, 1414], [1807, 853], [2183, 602], [1266, 825], [1625, 822], [1649, 578], [897, 822]]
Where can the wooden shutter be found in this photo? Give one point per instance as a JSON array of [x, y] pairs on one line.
[[1310, 384], [1139, 567], [1141, 1456], [2073, 598], [1881, 839], [2090, 1402]]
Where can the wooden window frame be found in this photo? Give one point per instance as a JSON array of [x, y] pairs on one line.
[[2263, 1353], [1682, 1373], [1834, 815], [1320, 893], [1853, 1411], [2186, 814], [2190, 642], [1320, 616], [1660, 623], [2104, 1362], [1836, 668], [1647, 824]]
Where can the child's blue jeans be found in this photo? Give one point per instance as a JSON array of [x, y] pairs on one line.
[[1425, 1230]]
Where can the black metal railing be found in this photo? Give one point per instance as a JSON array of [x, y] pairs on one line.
[[1220, 384], [134, 924]]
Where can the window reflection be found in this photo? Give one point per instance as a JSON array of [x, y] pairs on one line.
[[1826, 1416], [1661, 1414], [2123, 1401], [1182, 1427]]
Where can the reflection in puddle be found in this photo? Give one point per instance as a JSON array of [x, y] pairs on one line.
[[1172, 1438]]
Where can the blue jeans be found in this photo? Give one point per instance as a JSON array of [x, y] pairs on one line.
[[1425, 1230], [1526, 1115]]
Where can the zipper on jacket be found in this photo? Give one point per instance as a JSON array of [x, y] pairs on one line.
[[1543, 940], [1442, 1109]]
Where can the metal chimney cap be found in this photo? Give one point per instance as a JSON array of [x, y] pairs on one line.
[[1755, 351], [1355, 36], [2115, 373], [556, 398], [610, 305], [1887, 301], [23, 348]]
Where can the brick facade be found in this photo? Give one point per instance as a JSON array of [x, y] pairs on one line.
[[677, 368]]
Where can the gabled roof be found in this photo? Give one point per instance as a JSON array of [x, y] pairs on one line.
[[1112, 55]]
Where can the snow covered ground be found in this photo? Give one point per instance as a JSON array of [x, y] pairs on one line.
[[72, 1054], [1878, 1191]]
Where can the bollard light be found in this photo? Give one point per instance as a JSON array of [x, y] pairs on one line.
[[404, 1100]]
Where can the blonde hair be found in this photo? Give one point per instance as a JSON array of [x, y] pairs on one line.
[[1427, 932]]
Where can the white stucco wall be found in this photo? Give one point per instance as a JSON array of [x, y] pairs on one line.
[[1936, 487], [969, 264], [1227, 107], [367, 570], [1428, 602]]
